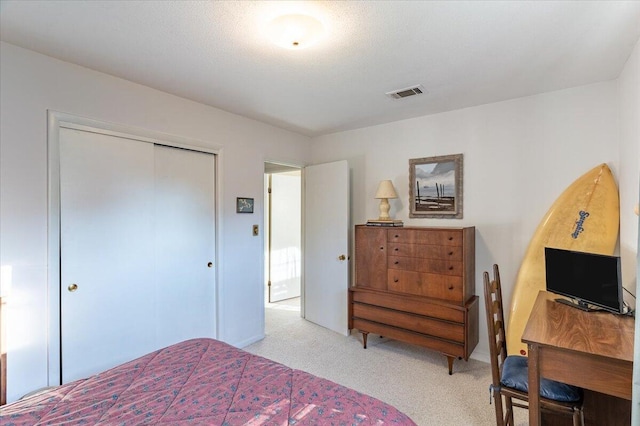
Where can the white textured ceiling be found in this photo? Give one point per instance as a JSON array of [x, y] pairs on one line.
[[214, 52]]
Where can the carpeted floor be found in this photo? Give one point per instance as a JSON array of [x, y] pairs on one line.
[[413, 379]]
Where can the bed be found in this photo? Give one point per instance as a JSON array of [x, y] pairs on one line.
[[201, 382]]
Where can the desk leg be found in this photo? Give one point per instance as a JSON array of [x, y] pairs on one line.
[[534, 385]]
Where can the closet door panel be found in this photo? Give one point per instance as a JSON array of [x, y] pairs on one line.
[[107, 286], [184, 244]]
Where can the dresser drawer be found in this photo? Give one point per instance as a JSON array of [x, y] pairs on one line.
[[440, 237], [447, 347], [409, 303], [425, 251], [434, 266], [417, 323], [445, 287]]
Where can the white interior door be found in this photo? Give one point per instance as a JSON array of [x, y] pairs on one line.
[[137, 234], [285, 255], [326, 245]]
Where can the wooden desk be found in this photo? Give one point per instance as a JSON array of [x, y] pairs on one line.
[[592, 350]]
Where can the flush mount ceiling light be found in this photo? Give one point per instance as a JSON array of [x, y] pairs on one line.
[[295, 31]]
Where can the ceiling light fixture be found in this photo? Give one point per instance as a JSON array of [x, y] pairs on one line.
[[295, 31]]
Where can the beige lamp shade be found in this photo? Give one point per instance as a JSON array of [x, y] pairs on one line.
[[384, 192]]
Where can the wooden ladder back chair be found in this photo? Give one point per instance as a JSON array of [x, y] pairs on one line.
[[509, 374]]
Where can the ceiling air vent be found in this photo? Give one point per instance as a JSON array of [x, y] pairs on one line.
[[405, 93]]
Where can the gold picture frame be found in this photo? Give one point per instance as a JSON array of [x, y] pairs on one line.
[[435, 187]]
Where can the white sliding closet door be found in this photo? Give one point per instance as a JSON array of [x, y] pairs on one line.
[[106, 223], [184, 244], [137, 234]]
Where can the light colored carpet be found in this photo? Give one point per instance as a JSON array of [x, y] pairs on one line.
[[413, 379]]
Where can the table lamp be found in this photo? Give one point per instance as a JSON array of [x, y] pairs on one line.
[[384, 192]]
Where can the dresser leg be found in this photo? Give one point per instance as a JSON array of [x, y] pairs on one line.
[[450, 361], [365, 334]]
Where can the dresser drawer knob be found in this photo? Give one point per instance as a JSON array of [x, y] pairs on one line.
[[450, 287], [450, 253], [396, 249], [451, 268], [397, 236], [450, 238], [396, 262], [381, 248], [395, 280]]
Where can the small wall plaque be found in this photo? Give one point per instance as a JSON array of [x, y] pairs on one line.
[[244, 205]]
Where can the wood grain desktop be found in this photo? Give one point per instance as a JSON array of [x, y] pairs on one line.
[[592, 350]]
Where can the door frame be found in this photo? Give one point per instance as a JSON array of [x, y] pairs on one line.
[[268, 219], [302, 236], [57, 120]]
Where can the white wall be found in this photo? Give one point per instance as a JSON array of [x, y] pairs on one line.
[[519, 155], [629, 98], [629, 93], [32, 83]]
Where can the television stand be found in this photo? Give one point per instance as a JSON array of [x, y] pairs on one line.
[[579, 305]]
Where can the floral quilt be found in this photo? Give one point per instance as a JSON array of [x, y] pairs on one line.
[[201, 382]]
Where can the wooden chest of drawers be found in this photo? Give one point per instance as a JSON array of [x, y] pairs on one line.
[[417, 285]]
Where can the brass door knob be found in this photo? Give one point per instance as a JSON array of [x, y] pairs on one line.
[[73, 287], [342, 257]]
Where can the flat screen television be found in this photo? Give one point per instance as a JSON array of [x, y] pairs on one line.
[[587, 278]]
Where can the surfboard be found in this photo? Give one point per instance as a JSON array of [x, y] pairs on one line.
[[585, 217]]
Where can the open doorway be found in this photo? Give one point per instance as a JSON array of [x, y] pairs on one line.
[[283, 236]]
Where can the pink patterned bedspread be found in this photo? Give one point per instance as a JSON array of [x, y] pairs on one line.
[[201, 382]]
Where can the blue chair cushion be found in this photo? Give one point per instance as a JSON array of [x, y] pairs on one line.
[[515, 374]]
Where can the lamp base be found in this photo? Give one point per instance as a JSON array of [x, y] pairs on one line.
[[384, 209]]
